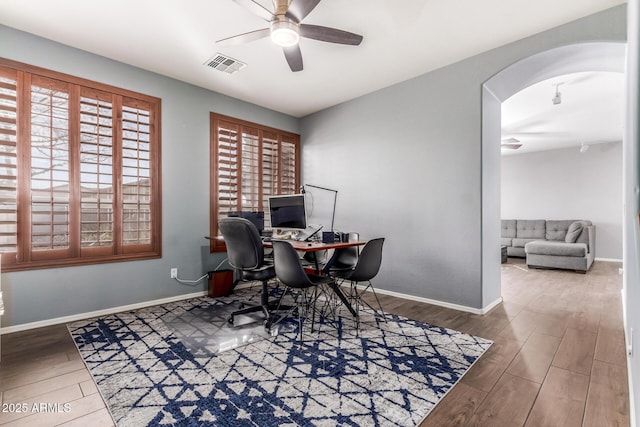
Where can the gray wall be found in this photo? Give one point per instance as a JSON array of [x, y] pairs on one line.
[[37, 295], [567, 184], [408, 163], [631, 292]]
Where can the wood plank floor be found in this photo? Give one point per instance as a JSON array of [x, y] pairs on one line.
[[558, 359]]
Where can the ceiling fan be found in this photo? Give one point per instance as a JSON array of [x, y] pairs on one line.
[[286, 28]]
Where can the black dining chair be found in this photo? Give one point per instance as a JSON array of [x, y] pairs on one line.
[[291, 273], [366, 268], [346, 258], [246, 256]]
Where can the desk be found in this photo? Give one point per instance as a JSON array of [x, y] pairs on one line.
[[318, 246]]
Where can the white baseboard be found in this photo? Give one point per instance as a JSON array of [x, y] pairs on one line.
[[81, 316], [88, 315], [472, 310], [608, 260], [627, 334]]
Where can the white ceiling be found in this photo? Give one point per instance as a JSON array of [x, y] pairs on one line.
[[591, 112], [402, 39]]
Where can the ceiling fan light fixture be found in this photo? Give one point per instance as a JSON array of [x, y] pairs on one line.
[[284, 33]]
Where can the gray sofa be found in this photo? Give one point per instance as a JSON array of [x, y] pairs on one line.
[[567, 244]]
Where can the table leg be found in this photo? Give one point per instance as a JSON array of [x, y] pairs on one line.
[[336, 288]]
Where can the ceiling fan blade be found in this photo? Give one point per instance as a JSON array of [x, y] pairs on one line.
[[245, 37], [256, 9], [294, 57], [331, 35], [299, 9]]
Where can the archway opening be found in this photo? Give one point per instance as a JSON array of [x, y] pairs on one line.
[[595, 56]]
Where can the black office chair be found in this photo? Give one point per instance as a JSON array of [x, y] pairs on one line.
[[246, 256], [291, 273], [366, 268]]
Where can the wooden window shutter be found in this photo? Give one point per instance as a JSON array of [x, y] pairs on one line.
[[79, 171], [289, 159], [137, 180], [270, 170], [96, 173], [49, 159], [225, 178], [249, 163], [8, 165]]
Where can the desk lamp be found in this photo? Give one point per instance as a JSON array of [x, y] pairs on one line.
[[335, 199]]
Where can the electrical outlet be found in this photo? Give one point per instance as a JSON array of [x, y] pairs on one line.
[[174, 273]]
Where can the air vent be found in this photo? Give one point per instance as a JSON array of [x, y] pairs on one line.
[[225, 64]]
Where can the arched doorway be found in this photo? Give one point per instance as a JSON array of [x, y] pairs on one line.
[[594, 56]]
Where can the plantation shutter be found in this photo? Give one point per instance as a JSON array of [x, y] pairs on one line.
[[227, 180], [289, 159], [79, 171], [247, 165], [251, 163], [8, 164], [49, 159], [96, 172], [270, 171], [137, 185]]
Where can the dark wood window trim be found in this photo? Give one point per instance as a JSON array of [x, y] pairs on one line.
[[249, 163], [80, 171]]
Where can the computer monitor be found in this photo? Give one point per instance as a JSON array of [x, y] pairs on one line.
[[256, 217], [288, 212]]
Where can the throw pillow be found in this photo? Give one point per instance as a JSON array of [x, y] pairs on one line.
[[574, 231]]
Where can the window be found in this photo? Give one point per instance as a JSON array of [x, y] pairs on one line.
[[249, 163], [79, 171]]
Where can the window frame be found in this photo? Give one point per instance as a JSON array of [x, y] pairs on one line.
[[261, 132], [25, 257]]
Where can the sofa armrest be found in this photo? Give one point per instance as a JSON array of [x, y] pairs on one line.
[[588, 236]]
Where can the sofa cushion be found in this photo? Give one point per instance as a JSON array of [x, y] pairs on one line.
[[508, 228], [546, 247], [574, 231], [520, 243], [557, 229], [530, 229], [506, 241]]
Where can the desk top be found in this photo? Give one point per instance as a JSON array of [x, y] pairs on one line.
[[306, 246], [317, 246]]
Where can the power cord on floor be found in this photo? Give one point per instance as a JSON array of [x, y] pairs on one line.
[[205, 276], [190, 282]]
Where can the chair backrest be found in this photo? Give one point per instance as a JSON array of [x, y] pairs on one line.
[[348, 257], [244, 246], [369, 261], [287, 264]]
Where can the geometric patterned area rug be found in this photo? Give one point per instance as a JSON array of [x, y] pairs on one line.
[[389, 374]]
